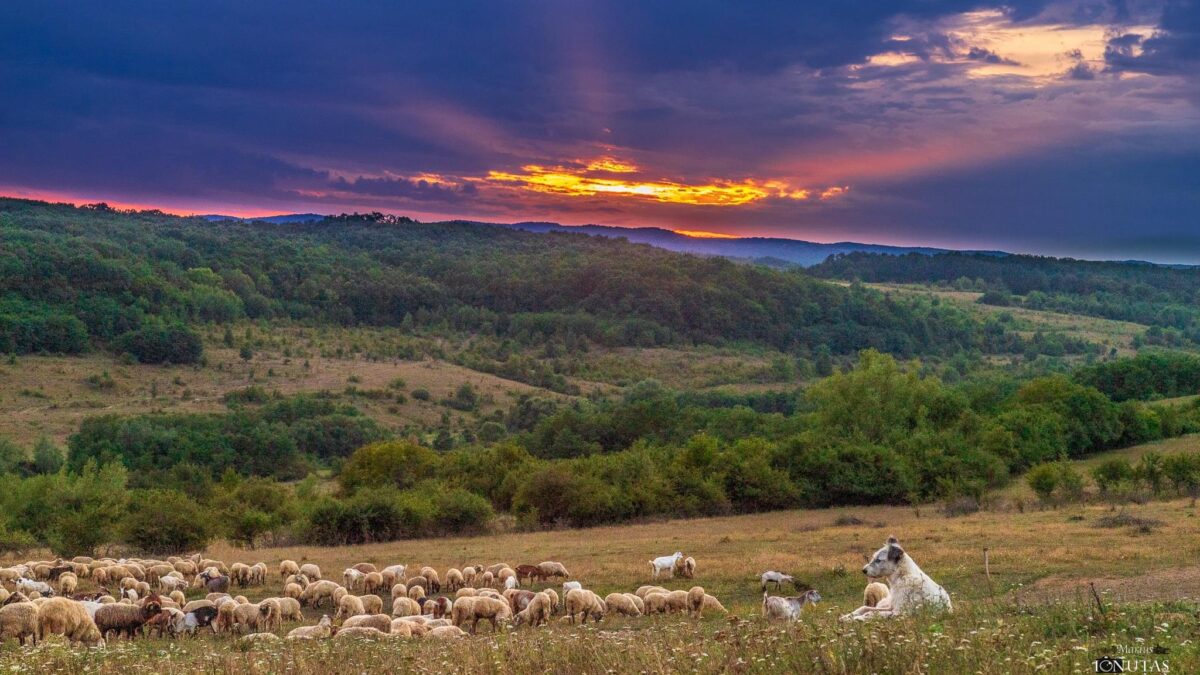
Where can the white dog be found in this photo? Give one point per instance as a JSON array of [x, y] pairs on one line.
[[910, 588]]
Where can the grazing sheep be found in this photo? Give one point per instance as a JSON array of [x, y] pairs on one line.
[[60, 616], [339, 593], [874, 593], [125, 620], [554, 599], [454, 579], [537, 611], [225, 620], [185, 567], [711, 603], [353, 579], [550, 569], [695, 601], [517, 599], [418, 581], [394, 572], [464, 592], [246, 616], [495, 569], [258, 574], [504, 575], [298, 579], [468, 574], [642, 591], [688, 569], [401, 628], [446, 633], [656, 602], [373, 604], [365, 568], [286, 568], [571, 586], [322, 630], [178, 598], [665, 563], [584, 603], [373, 582], [621, 604], [293, 591], [289, 609], [67, 582], [489, 592], [416, 592], [19, 620], [270, 615], [317, 591], [348, 606], [404, 606], [380, 622], [240, 574], [473, 609], [218, 598], [197, 604], [789, 609], [311, 571], [487, 579], [399, 590], [431, 575]]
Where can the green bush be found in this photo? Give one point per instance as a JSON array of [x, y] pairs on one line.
[[163, 522], [168, 343]]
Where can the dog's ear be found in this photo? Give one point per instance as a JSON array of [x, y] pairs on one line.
[[892, 540], [894, 552]]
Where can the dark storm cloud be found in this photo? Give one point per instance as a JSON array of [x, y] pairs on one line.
[[394, 106]]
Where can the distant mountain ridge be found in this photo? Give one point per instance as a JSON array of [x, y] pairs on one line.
[[772, 251]]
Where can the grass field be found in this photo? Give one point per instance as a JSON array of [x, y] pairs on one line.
[[1034, 612]]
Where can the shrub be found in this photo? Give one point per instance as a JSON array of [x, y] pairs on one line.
[[165, 522], [172, 343], [460, 511], [421, 394], [398, 463], [1112, 473], [1044, 479]]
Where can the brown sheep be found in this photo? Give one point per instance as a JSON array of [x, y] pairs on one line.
[[125, 620], [656, 603], [621, 604], [60, 616], [19, 620], [471, 610], [317, 591], [373, 582], [454, 579], [530, 572], [381, 622], [518, 599], [537, 611], [372, 604], [289, 609], [365, 568], [431, 575], [419, 581], [584, 603], [348, 606]]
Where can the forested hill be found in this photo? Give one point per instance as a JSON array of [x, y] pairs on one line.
[[73, 279], [1156, 295]]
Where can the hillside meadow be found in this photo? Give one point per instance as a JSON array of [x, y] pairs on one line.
[[1031, 611]]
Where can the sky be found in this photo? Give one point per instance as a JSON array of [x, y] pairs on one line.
[[1068, 127]]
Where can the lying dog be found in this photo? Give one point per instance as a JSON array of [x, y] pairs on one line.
[[910, 588]]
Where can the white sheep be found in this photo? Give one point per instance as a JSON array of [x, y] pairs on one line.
[[777, 578]]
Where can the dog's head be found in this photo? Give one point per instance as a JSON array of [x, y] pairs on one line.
[[885, 561]]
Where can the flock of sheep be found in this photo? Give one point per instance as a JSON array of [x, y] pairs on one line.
[[134, 597]]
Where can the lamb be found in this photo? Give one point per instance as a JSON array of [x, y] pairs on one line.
[[126, 620], [537, 611], [476, 608], [67, 582], [293, 591], [380, 622], [685, 567], [323, 629], [348, 606], [874, 593], [286, 568], [317, 591], [19, 620], [621, 604], [643, 591], [373, 582], [311, 571], [404, 606], [60, 616], [441, 607], [454, 579], [665, 563], [789, 609]]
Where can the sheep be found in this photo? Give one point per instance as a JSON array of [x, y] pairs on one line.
[[241, 600], [19, 620], [169, 621], [323, 629], [167, 584], [126, 620], [447, 633], [495, 569], [249, 616], [258, 574], [293, 591], [711, 603], [418, 581], [404, 606], [454, 579], [30, 586], [311, 571], [530, 572], [401, 628], [537, 611], [695, 601], [476, 608], [571, 586], [517, 598], [298, 579], [67, 582], [197, 604], [60, 616], [504, 575], [365, 568], [874, 593], [373, 582], [339, 593], [392, 573], [441, 607], [317, 591], [687, 568], [270, 615], [373, 604], [225, 620], [187, 568], [256, 638], [789, 609], [360, 633], [468, 575], [642, 591], [178, 598], [416, 592], [286, 568], [218, 598], [584, 603], [665, 563], [399, 590], [353, 579], [240, 574], [621, 604], [487, 579], [554, 599], [464, 592], [349, 606], [289, 609], [380, 622], [511, 583], [431, 575], [550, 569], [656, 602]]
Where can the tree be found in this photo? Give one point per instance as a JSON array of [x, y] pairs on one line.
[[165, 522], [47, 457], [399, 463]]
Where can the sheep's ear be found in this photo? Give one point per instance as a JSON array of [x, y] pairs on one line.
[[895, 553]]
